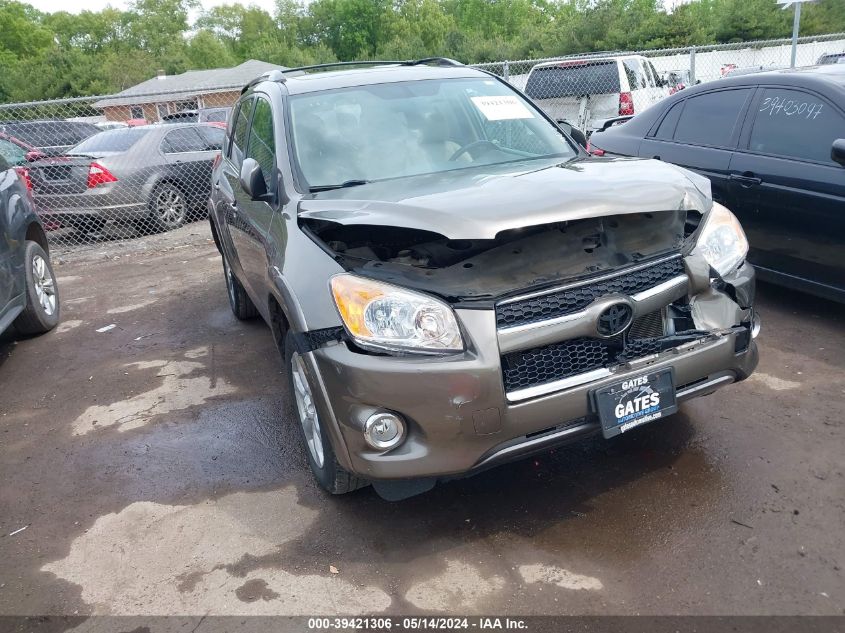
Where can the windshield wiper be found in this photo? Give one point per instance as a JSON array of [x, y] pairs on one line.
[[343, 185]]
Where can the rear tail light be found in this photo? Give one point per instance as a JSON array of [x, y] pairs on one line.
[[595, 151], [99, 175], [626, 104], [23, 172], [217, 158]]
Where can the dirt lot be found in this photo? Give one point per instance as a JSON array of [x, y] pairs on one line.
[[157, 471]]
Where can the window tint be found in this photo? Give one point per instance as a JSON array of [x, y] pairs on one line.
[[13, 154], [635, 72], [572, 79], [709, 119], [185, 139], [236, 152], [262, 147], [213, 136], [795, 123], [666, 129]]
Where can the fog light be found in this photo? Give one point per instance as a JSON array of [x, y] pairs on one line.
[[384, 430], [755, 325]]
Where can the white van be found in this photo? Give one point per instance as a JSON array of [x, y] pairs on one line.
[[587, 91]]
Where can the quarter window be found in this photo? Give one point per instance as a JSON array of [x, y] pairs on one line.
[[795, 123], [666, 129], [709, 119], [262, 146]]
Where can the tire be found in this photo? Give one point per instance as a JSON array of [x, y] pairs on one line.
[[168, 207], [242, 306], [43, 309], [331, 476]]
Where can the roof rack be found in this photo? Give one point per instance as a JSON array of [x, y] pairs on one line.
[[282, 75]]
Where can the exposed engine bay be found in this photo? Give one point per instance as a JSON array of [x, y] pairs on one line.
[[516, 259]]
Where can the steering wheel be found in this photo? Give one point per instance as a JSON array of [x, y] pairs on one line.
[[469, 146]]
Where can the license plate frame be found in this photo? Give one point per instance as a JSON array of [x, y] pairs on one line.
[[636, 396]]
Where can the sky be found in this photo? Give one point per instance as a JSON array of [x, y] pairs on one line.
[[75, 6]]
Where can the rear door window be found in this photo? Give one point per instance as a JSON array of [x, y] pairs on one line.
[[213, 137], [635, 72], [183, 140], [796, 124], [573, 79], [709, 119]]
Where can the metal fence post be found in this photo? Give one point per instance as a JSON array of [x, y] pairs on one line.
[[795, 25], [506, 71], [692, 66]]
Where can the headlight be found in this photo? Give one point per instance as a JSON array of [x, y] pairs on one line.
[[385, 317], [722, 241]]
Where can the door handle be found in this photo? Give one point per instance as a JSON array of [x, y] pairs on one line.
[[746, 179]]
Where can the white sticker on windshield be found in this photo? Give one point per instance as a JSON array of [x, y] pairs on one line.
[[502, 108]]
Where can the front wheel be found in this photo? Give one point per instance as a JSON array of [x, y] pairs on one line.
[[41, 313], [321, 456]]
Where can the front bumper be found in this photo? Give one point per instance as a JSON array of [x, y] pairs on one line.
[[460, 417]]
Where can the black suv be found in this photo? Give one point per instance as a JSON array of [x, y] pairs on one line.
[[454, 283], [29, 297]]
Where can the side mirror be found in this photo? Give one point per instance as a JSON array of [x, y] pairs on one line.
[[33, 156], [837, 151], [252, 180], [564, 125]]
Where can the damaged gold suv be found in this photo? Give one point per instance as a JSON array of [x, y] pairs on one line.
[[453, 283]]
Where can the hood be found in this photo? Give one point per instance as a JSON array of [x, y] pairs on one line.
[[479, 203]]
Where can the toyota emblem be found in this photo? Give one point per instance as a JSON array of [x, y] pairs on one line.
[[614, 320]]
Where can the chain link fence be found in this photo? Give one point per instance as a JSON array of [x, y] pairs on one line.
[[589, 89], [131, 164], [103, 168]]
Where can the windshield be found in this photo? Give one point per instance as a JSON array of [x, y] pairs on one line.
[[51, 133], [394, 130], [110, 141]]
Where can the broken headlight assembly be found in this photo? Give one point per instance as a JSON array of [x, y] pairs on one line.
[[384, 317], [722, 242]]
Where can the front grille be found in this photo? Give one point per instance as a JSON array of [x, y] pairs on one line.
[[563, 302], [553, 362], [648, 325], [541, 365]]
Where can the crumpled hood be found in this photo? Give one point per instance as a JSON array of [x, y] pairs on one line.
[[479, 203]]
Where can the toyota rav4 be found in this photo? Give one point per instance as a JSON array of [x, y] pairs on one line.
[[454, 283]]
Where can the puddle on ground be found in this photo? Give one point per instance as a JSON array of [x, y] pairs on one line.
[[181, 387]]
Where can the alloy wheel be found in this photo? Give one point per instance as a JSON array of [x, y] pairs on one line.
[[307, 410], [45, 286], [170, 207]]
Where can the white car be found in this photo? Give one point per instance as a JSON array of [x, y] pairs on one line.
[[586, 92]]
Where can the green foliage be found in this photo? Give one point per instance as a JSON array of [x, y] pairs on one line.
[[100, 52]]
